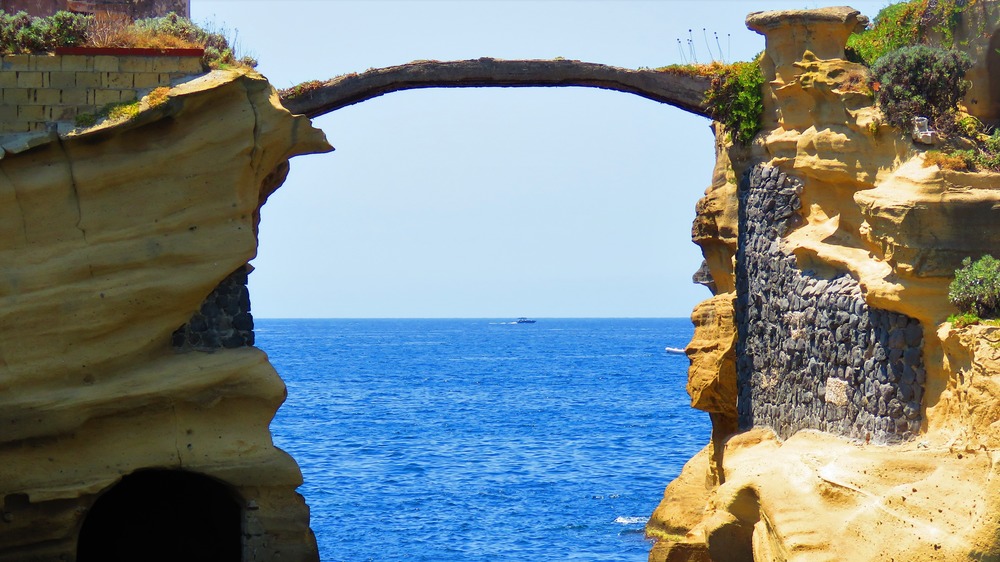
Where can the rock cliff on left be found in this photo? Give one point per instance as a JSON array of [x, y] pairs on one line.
[[111, 239]]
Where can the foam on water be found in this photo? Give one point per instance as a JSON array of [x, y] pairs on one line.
[[631, 520]]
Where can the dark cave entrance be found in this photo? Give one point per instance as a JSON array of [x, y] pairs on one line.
[[163, 515]]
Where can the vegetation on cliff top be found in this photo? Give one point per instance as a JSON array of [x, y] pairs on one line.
[[982, 154], [904, 24], [124, 111], [734, 97], [21, 33], [912, 76]]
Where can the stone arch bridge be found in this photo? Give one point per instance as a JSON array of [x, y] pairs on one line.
[[127, 369], [684, 91]]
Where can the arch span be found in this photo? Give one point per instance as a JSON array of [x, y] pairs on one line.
[[317, 98]]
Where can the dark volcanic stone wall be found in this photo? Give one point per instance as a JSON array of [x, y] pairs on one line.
[[811, 353], [224, 320]]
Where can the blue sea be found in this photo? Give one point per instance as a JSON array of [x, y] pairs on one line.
[[463, 440]]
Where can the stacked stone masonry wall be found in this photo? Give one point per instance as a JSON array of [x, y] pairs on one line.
[[811, 353], [38, 92], [224, 319]]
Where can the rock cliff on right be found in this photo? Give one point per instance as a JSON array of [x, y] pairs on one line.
[[854, 404]]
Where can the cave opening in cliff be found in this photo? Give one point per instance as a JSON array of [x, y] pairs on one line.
[[163, 515]]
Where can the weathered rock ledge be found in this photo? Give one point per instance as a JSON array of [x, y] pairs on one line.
[[111, 239], [852, 422]]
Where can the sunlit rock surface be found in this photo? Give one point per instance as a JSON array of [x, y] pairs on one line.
[[871, 219], [110, 240]]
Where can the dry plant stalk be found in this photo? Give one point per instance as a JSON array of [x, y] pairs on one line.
[[115, 29]]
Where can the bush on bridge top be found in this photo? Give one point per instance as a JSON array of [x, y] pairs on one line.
[[735, 99]]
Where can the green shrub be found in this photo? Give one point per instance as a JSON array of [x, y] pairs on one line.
[[10, 27], [988, 155], [903, 24], [896, 26], [85, 120], [20, 33], [125, 111], [964, 319], [735, 100], [63, 29], [921, 80], [976, 288], [119, 112]]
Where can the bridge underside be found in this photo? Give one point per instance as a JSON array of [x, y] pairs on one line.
[[684, 91]]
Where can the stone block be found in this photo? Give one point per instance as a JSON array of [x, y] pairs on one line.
[[17, 62], [15, 96], [8, 79], [74, 97], [45, 62], [150, 80], [127, 95], [61, 113], [135, 64], [189, 65], [8, 113], [106, 64], [104, 97], [117, 80], [29, 79], [88, 79], [166, 64], [48, 96], [77, 63], [914, 334], [62, 79], [9, 127], [31, 113]]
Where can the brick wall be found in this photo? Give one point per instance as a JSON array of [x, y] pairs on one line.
[[40, 91]]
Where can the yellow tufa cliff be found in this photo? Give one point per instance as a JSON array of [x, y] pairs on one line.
[[869, 216], [112, 238]]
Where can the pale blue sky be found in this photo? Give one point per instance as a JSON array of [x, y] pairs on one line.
[[494, 202]]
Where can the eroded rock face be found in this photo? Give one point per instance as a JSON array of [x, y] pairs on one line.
[[716, 223], [867, 423], [111, 240], [972, 394], [712, 352]]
